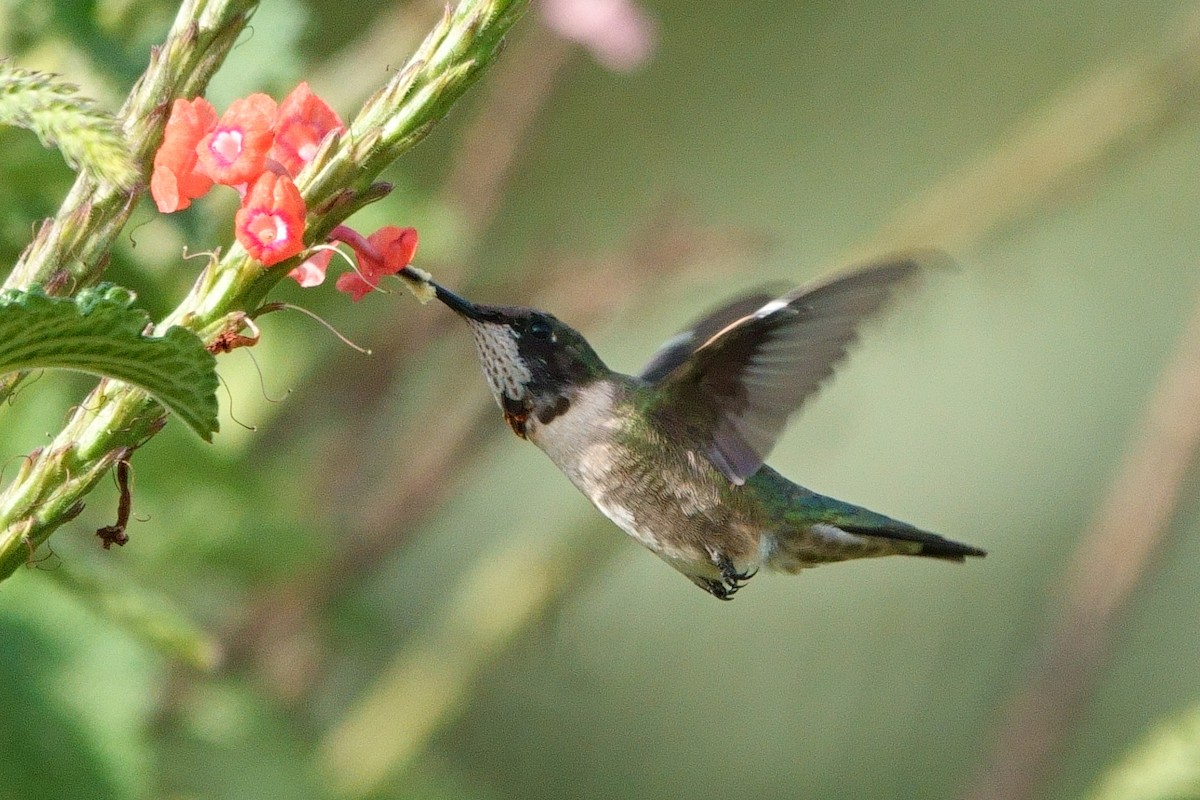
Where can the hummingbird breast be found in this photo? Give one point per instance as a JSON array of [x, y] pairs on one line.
[[655, 488]]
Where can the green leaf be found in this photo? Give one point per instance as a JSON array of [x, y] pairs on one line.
[[1164, 765], [149, 616], [99, 332], [88, 137]]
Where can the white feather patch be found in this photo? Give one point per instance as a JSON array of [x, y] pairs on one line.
[[836, 535], [770, 308], [501, 359]]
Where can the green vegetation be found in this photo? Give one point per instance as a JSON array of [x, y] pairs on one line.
[[365, 586]]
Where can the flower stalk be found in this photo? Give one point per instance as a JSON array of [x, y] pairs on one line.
[[78, 237], [70, 251]]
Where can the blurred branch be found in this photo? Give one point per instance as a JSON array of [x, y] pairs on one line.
[[396, 30], [1120, 107], [1114, 555], [430, 683], [491, 143], [1078, 133], [1164, 765], [150, 616], [89, 139]]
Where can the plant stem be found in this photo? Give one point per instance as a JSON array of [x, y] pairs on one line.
[[115, 418], [70, 251], [93, 213]]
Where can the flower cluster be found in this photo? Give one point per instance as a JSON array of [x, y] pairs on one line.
[[258, 147]]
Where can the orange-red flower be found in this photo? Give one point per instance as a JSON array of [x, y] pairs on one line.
[[384, 252], [235, 152], [258, 148], [270, 223], [176, 182], [303, 122]]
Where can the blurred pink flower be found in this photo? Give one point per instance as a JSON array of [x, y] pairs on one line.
[[620, 34]]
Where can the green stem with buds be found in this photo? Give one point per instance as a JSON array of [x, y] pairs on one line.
[[116, 419], [70, 251]]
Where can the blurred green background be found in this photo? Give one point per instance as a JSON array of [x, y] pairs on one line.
[[374, 590]]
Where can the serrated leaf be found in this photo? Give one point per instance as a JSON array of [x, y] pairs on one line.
[[100, 332]]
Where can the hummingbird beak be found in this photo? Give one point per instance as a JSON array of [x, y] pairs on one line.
[[459, 304]]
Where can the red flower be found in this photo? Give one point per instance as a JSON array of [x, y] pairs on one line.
[[257, 147], [236, 150], [270, 223], [175, 182], [303, 122], [311, 271], [385, 252]]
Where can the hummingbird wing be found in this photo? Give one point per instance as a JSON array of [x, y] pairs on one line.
[[680, 347], [741, 383]]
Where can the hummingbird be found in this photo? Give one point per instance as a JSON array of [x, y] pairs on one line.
[[675, 454]]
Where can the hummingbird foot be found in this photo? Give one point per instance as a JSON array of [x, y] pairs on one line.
[[731, 580], [717, 589]]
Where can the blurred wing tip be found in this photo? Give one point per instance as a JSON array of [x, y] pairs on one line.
[[912, 261]]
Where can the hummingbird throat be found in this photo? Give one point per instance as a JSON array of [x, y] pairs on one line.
[[507, 374], [511, 380]]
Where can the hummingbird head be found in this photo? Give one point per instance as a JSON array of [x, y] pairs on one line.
[[534, 364]]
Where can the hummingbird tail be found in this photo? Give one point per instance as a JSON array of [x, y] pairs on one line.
[[818, 529], [932, 545]]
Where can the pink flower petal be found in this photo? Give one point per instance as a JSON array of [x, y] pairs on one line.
[[311, 271]]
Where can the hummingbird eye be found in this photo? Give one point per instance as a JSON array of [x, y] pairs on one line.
[[540, 329]]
